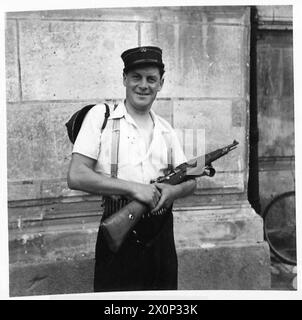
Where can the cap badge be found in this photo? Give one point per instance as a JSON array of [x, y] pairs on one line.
[[143, 50]]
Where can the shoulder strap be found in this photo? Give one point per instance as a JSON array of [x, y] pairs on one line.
[[107, 114]]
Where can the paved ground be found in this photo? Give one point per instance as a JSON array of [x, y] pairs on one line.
[[284, 276]]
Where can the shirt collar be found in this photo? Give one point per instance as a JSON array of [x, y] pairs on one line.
[[157, 122], [121, 111]]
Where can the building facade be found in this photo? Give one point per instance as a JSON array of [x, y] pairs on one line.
[[59, 61]]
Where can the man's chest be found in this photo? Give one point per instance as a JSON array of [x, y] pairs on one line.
[[146, 134], [135, 145]]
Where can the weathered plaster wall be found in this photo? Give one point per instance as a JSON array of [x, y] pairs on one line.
[[58, 61], [278, 17], [275, 93]]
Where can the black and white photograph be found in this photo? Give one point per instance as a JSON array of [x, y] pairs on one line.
[[150, 149]]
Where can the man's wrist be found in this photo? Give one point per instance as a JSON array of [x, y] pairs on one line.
[[181, 190], [176, 191], [131, 189]]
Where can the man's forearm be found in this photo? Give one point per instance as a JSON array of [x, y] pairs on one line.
[[184, 189], [87, 180]]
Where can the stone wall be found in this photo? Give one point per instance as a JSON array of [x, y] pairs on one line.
[[58, 61], [275, 99]]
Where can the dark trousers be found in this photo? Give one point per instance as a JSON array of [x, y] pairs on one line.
[[146, 261]]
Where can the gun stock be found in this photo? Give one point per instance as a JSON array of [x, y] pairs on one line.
[[117, 226]]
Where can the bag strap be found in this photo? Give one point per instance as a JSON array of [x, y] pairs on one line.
[[107, 114]]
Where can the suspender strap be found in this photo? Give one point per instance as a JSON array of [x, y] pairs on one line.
[[169, 151], [115, 147]]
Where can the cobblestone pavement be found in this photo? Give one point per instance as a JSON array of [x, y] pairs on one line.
[[284, 276]]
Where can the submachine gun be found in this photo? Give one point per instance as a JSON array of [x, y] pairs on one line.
[[117, 226]]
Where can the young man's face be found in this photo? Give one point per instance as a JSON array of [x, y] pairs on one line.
[[142, 85]]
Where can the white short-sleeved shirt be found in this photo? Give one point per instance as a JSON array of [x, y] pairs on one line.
[[135, 163]]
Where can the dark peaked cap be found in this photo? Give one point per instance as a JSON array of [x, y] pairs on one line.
[[142, 55]]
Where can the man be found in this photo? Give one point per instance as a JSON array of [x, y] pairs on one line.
[[147, 144]]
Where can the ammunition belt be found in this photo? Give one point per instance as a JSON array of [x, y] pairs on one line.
[[111, 206]]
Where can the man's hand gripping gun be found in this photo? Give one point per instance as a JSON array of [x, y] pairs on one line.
[[117, 226]]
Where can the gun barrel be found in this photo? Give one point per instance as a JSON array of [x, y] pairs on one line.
[[233, 145], [212, 156], [194, 167]]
